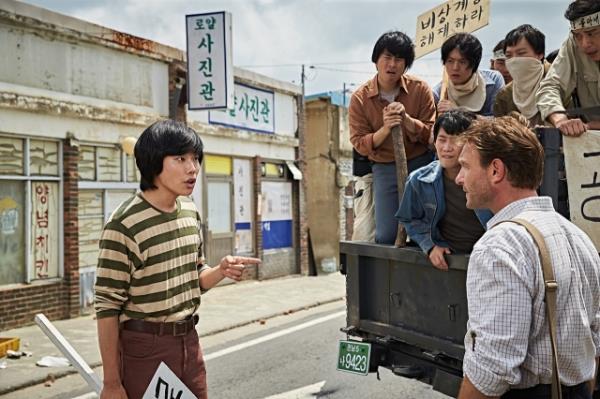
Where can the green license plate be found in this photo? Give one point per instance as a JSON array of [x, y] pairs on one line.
[[354, 357]]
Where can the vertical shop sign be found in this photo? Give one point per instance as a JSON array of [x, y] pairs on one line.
[[44, 232], [210, 61], [242, 186]]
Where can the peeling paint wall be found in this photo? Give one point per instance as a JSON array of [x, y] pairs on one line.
[[39, 60]]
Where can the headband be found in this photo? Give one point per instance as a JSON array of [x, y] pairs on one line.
[[588, 21], [499, 55]]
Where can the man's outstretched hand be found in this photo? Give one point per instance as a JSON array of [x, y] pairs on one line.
[[233, 266]]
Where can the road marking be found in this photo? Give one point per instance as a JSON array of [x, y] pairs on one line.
[[307, 392], [271, 336]]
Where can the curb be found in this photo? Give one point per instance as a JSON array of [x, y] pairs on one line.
[[64, 373], [292, 310]]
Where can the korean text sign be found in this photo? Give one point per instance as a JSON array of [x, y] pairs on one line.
[[253, 109], [443, 21], [582, 163], [210, 61]]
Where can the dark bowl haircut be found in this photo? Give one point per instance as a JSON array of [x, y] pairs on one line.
[[534, 37], [398, 44], [467, 45], [159, 140], [454, 122]]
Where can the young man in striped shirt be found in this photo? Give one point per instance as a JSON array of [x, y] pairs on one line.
[[151, 270]]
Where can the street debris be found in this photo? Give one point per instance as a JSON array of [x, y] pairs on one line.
[[17, 354], [53, 361], [49, 380]]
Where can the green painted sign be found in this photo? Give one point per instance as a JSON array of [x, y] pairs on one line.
[[354, 357]]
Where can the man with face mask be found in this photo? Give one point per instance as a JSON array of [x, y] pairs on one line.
[[576, 68], [524, 47]]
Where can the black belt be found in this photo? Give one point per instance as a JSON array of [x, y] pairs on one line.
[[175, 328], [544, 390]]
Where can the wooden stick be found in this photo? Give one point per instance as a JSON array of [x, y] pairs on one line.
[[401, 174], [444, 88]]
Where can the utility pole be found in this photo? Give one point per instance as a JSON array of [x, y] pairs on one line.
[[302, 77]]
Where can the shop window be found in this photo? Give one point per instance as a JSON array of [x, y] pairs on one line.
[[219, 206], [30, 206], [107, 177], [91, 221], [12, 232], [106, 164], [43, 158], [87, 163], [109, 163], [11, 153], [95, 207]]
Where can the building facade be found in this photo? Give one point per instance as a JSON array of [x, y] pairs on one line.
[[71, 93], [329, 178]]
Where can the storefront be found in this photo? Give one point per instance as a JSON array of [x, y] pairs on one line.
[[249, 193]]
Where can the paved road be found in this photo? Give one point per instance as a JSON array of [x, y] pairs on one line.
[[291, 356]]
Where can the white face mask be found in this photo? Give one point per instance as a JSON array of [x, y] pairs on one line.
[[527, 73], [522, 68]]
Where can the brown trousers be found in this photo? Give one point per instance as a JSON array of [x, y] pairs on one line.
[[141, 354]]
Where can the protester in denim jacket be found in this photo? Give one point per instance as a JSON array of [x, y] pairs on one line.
[[433, 208]]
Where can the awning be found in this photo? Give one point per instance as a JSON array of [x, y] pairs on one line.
[[294, 169]]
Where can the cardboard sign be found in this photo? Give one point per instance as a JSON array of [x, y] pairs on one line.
[[210, 66], [165, 384], [582, 164], [443, 21]]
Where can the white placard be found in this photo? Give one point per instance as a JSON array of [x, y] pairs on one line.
[[450, 17], [165, 384], [582, 164], [253, 109], [210, 61]]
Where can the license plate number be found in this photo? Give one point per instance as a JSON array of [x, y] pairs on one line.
[[354, 357]]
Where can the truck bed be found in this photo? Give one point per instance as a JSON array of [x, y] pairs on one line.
[[411, 313]]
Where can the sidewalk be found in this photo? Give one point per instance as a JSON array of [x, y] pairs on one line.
[[222, 308]]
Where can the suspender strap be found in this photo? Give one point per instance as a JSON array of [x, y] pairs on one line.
[[550, 287]]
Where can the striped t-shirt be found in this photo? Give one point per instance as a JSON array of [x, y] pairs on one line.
[[149, 262]]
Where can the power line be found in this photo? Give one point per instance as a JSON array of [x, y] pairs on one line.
[[430, 58]]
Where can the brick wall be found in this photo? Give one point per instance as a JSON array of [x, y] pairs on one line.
[[71, 227], [20, 303], [278, 263], [298, 191]]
